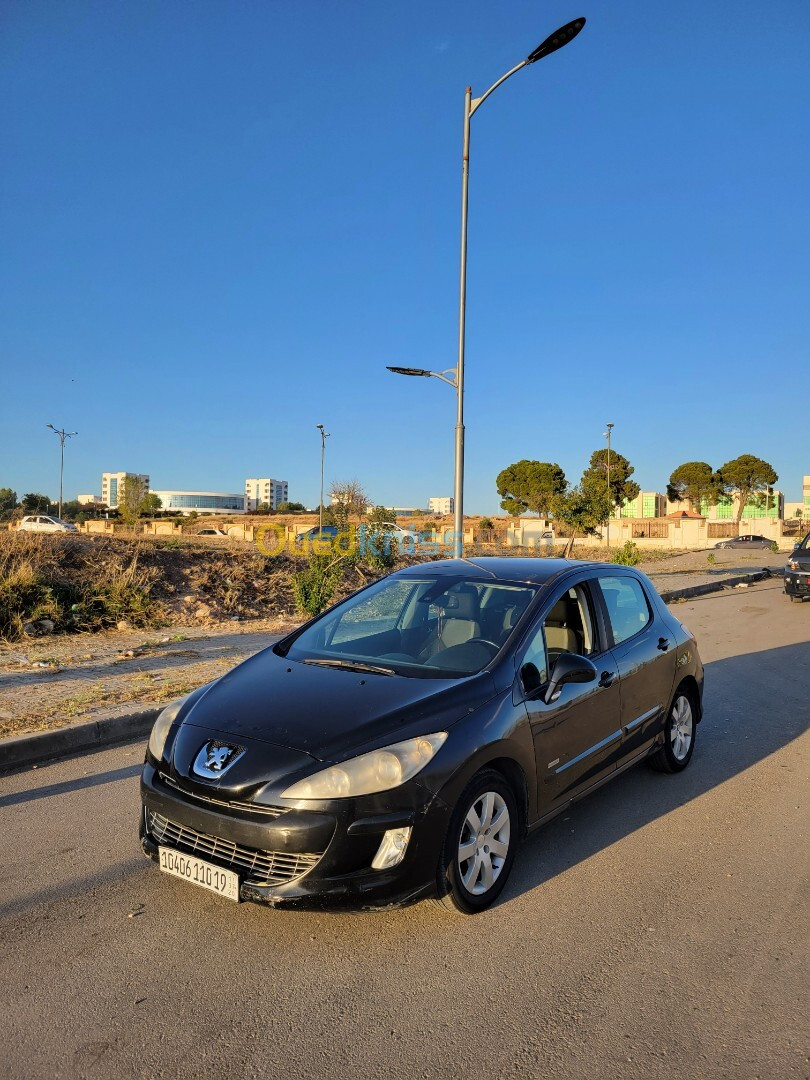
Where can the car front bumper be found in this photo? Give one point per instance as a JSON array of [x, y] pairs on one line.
[[303, 857]]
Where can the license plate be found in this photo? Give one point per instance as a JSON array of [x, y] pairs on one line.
[[206, 875]]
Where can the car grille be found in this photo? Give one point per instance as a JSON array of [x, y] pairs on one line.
[[269, 867], [253, 808]]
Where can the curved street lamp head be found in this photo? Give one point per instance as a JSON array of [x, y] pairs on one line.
[[556, 40], [410, 371]]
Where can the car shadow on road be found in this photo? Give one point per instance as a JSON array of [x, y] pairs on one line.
[[48, 790], [742, 725]]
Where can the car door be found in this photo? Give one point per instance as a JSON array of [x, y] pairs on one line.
[[574, 734], [644, 651]]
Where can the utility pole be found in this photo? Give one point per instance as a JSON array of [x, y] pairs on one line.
[[610, 496], [62, 436], [324, 437]]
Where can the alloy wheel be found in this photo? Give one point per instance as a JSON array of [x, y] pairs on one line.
[[681, 728], [484, 842]]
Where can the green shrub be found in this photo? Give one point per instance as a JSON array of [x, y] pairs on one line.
[[774, 547], [316, 584], [710, 558], [628, 555]]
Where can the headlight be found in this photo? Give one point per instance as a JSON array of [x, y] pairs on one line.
[[160, 731], [380, 770]]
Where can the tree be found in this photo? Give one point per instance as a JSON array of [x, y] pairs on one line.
[[594, 479], [152, 503], [530, 486], [581, 512], [348, 498], [696, 482], [8, 499], [133, 500], [291, 508], [746, 477], [74, 511], [34, 503]]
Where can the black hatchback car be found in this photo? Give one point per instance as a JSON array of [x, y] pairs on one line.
[[399, 745], [797, 571]]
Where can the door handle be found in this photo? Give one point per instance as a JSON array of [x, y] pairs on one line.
[[607, 678], [663, 644]]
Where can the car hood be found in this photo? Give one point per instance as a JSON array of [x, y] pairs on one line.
[[327, 713]]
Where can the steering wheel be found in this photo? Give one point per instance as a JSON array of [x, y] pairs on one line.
[[483, 641]]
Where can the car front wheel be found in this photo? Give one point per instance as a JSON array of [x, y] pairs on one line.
[[480, 845], [679, 736]]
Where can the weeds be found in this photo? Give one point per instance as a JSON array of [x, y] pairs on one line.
[[628, 555], [77, 586]]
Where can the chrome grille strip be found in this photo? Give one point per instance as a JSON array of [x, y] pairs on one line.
[[271, 867], [254, 808]]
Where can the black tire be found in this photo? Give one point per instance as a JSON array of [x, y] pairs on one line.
[[676, 753], [468, 897]]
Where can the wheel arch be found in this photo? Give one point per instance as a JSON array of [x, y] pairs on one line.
[[514, 775], [690, 684]]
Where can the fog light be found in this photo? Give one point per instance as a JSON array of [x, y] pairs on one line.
[[392, 848]]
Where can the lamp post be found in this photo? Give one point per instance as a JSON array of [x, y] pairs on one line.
[[324, 437], [610, 497], [62, 436], [551, 44]]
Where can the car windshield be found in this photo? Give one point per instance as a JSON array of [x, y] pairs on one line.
[[425, 627]]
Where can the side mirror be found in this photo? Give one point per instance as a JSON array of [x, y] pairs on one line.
[[569, 668]]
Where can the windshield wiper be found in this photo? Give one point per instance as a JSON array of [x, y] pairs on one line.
[[353, 665]]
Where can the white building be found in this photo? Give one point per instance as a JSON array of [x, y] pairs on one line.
[[266, 490], [203, 502], [441, 504], [113, 485], [89, 500]]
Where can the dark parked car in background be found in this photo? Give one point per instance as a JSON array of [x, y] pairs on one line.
[[797, 571], [751, 543], [399, 745]]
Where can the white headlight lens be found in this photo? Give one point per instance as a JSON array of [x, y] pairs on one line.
[[160, 731], [380, 770]]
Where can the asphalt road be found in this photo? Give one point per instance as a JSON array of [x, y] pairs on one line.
[[658, 929]]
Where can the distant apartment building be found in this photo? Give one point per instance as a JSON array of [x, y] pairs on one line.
[[767, 505], [89, 500], [647, 504], [201, 502], [441, 504], [266, 490], [113, 485]]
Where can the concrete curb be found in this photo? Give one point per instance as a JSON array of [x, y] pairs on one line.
[[30, 749], [714, 586]]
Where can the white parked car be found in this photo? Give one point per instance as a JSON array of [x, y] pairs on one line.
[[45, 523]]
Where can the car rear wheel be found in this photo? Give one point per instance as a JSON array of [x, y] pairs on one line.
[[679, 736], [480, 846]]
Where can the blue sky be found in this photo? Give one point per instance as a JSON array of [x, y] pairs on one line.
[[221, 221]]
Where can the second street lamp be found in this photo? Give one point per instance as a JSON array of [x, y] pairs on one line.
[[551, 44], [62, 436], [324, 437]]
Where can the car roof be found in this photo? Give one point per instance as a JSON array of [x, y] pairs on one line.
[[492, 567]]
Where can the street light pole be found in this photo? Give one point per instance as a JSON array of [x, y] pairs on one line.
[[610, 497], [62, 436], [324, 437], [555, 41]]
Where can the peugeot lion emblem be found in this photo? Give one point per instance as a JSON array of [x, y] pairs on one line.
[[215, 758]]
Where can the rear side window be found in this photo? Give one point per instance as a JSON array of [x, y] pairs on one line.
[[626, 605]]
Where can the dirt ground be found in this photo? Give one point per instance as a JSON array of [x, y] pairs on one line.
[[56, 680]]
